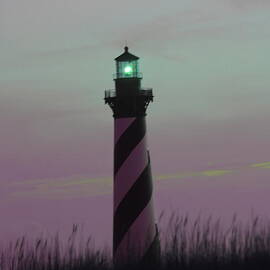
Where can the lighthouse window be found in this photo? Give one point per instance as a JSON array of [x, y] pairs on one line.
[[128, 70]]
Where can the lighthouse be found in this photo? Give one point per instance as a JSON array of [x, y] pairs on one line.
[[135, 234]]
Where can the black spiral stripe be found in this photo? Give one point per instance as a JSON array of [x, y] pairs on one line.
[[132, 205], [128, 141]]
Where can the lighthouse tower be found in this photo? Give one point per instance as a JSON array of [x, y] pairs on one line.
[[135, 235]]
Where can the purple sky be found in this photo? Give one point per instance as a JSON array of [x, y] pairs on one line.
[[208, 128]]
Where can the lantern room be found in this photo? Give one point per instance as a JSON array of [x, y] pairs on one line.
[[128, 99], [127, 66]]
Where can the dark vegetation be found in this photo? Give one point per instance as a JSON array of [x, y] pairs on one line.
[[198, 244]]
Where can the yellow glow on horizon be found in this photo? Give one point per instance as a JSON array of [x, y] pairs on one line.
[[216, 172], [265, 165]]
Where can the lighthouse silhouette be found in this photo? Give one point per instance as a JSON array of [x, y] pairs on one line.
[[135, 234]]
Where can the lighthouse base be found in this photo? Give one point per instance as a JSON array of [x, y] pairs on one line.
[[150, 257], [153, 253]]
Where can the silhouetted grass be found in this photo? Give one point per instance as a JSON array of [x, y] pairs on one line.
[[198, 244]]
